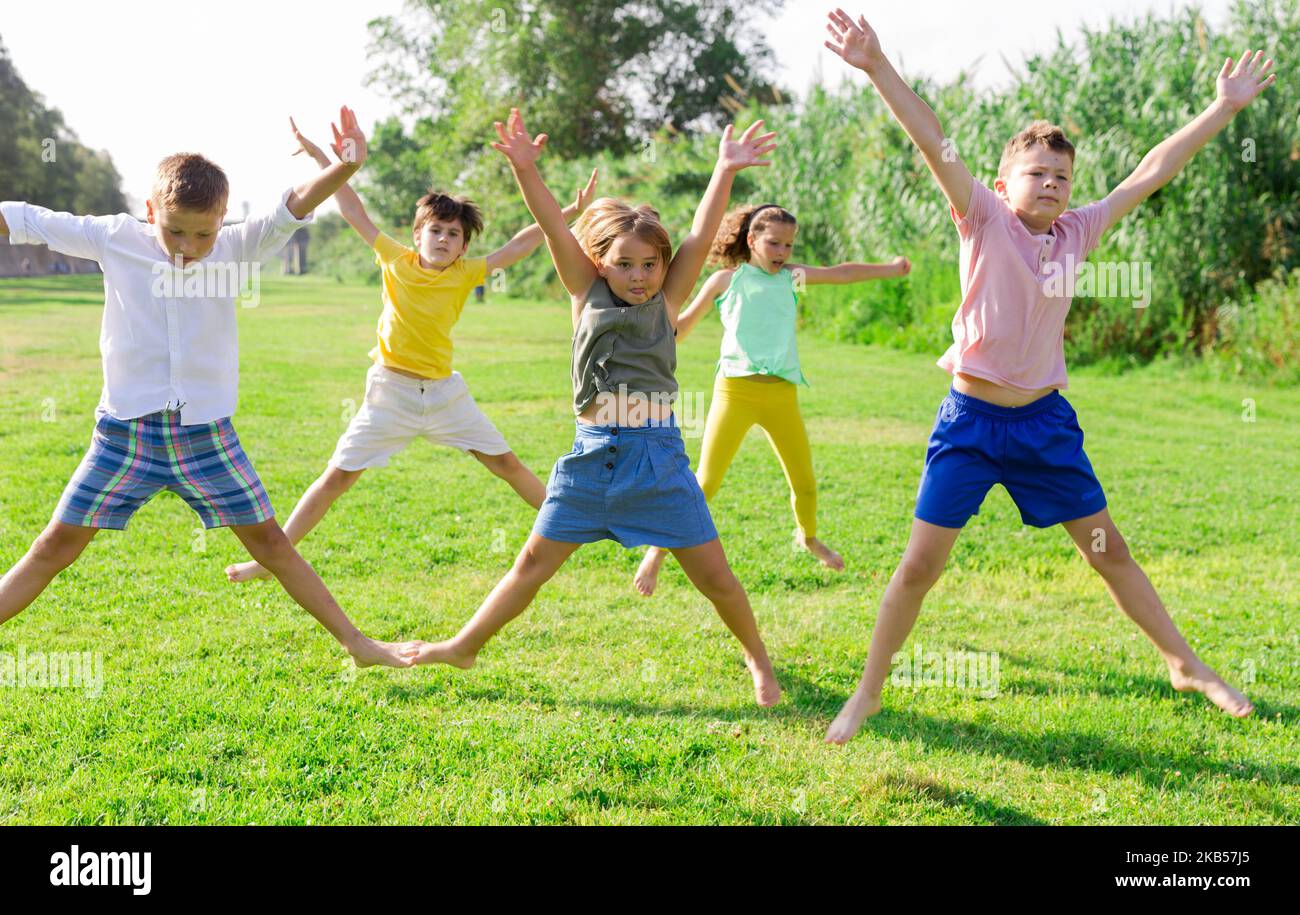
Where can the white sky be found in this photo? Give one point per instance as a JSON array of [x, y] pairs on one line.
[[141, 79]]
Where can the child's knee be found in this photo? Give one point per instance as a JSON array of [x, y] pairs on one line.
[[268, 544], [337, 481], [919, 572], [503, 465], [57, 548], [1109, 555], [720, 584]]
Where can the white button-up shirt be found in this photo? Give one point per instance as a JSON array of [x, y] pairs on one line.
[[168, 338]]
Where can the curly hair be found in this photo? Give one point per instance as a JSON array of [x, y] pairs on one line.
[[731, 246], [608, 219]]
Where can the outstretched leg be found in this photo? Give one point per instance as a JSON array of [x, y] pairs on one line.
[[922, 564], [706, 566], [54, 550], [522, 480], [270, 546], [1101, 544], [786, 433], [536, 563], [311, 508]]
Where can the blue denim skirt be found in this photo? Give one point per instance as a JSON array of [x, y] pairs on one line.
[[633, 485]]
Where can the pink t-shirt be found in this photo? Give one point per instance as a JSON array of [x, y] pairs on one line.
[[1009, 329]]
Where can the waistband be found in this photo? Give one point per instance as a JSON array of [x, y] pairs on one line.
[[668, 426], [398, 378], [966, 402]]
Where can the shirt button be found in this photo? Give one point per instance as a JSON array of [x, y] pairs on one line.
[[609, 465], [613, 431], [612, 449]]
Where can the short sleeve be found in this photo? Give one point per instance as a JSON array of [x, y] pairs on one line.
[[983, 206], [388, 249], [475, 271], [262, 236], [79, 236], [1091, 221]]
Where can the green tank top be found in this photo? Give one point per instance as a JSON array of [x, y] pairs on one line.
[[758, 313]]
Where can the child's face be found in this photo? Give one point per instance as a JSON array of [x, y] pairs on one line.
[[633, 269], [770, 246], [188, 233], [440, 243], [1037, 186]]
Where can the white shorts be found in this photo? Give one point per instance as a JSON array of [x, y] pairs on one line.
[[398, 409]]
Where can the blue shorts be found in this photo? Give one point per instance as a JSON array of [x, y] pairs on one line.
[[130, 461], [629, 484], [1035, 451]]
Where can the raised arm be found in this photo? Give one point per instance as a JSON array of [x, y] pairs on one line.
[[713, 287], [350, 206], [350, 145], [527, 240], [576, 270], [842, 274], [858, 46], [1236, 88], [733, 155]]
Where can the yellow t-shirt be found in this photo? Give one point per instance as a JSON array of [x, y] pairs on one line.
[[420, 307]]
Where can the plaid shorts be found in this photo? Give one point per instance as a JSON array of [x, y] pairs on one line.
[[129, 461]]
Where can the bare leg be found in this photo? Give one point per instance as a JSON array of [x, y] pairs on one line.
[[1099, 541], [522, 480], [536, 563], [311, 508], [922, 564], [270, 546], [706, 566], [54, 550]]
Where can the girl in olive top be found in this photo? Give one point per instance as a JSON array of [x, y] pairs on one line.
[[627, 478], [759, 368]]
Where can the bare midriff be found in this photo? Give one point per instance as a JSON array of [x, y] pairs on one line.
[[408, 374], [628, 410], [995, 393]]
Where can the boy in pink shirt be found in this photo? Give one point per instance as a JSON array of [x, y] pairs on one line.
[[1005, 421]]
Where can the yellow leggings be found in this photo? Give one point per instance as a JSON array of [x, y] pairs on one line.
[[772, 404]]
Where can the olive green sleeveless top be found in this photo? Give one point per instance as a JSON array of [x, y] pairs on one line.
[[619, 345]]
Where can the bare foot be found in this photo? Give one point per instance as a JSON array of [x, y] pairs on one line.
[[829, 558], [367, 652], [439, 653], [767, 692], [246, 571], [848, 722], [1199, 678], [647, 576]]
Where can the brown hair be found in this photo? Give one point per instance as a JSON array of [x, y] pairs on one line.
[[444, 208], [731, 246], [608, 219], [187, 181], [1039, 133]]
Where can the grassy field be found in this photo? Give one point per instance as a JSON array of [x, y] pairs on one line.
[[225, 704]]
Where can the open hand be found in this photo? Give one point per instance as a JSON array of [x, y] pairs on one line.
[[349, 141], [515, 143], [733, 155], [1238, 86], [856, 44], [585, 194], [307, 146]]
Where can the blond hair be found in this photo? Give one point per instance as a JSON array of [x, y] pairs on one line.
[[188, 181], [608, 219], [1039, 133]]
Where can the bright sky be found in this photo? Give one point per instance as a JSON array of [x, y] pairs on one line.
[[154, 81]]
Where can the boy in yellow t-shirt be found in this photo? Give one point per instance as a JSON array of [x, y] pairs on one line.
[[411, 389]]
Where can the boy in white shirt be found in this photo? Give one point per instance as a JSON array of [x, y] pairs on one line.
[[171, 369]]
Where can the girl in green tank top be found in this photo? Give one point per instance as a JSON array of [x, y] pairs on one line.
[[758, 369]]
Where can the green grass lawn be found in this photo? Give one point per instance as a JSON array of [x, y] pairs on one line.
[[229, 704]]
